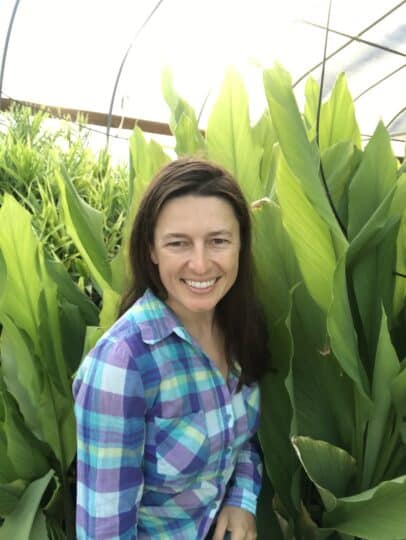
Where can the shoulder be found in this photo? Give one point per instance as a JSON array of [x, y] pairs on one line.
[[127, 350]]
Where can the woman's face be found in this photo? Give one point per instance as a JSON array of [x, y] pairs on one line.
[[196, 247]]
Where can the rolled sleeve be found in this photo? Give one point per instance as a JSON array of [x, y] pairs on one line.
[[245, 483]]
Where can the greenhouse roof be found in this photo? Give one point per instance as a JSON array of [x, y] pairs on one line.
[[107, 56]]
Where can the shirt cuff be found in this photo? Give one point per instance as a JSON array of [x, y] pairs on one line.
[[241, 498]]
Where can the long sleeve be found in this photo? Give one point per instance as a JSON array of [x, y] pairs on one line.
[[110, 412], [245, 483]]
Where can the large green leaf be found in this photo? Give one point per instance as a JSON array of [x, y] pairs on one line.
[[71, 292], [373, 256], [50, 331], [309, 235], [47, 412], [373, 181], [183, 121], [275, 261], [373, 271], [20, 277], [322, 393], [33, 307], [301, 155], [337, 121], [264, 136], [146, 158], [343, 337], [9, 496], [39, 528], [32, 352], [230, 141], [376, 514], [29, 457], [73, 335], [274, 434], [23, 378], [340, 162], [330, 468], [84, 225], [21, 523], [385, 370], [312, 92], [276, 272]]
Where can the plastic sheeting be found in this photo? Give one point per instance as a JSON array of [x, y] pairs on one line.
[[68, 53]]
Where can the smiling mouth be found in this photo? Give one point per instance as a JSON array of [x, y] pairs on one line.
[[200, 284]]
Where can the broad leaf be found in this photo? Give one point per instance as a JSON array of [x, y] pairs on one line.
[[230, 140], [29, 457], [373, 181], [84, 225], [71, 292], [264, 136], [47, 412], [374, 514], [275, 261], [312, 92], [183, 121], [343, 337], [20, 523], [385, 370], [309, 235], [9, 496], [340, 162], [302, 156], [146, 158], [337, 121], [330, 468], [323, 395], [21, 284]]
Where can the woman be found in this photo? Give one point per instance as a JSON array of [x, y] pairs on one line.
[[167, 402]]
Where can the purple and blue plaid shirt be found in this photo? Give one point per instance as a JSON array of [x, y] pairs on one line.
[[163, 440]]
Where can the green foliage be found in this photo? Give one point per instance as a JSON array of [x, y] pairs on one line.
[[330, 248], [336, 329], [32, 151]]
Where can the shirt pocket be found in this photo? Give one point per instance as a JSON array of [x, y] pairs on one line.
[[182, 445]]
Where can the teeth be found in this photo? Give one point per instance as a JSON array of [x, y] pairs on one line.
[[200, 284]]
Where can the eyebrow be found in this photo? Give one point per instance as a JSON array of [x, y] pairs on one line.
[[221, 232]]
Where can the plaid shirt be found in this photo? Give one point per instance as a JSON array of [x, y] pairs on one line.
[[163, 440]]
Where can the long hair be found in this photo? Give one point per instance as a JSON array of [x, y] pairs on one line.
[[238, 313]]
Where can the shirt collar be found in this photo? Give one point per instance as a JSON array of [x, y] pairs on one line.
[[156, 321]]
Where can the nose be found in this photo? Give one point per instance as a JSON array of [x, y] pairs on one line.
[[199, 261]]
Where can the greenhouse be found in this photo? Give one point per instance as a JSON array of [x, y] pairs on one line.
[[235, 170]]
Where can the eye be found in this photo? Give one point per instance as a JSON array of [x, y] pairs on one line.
[[177, 244], [220, 241]]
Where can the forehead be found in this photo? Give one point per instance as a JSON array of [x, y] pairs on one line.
[[194, 212]]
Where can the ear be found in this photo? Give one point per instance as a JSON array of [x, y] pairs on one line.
[[153, 256]]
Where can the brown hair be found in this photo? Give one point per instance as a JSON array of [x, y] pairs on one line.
[[238, 312]]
